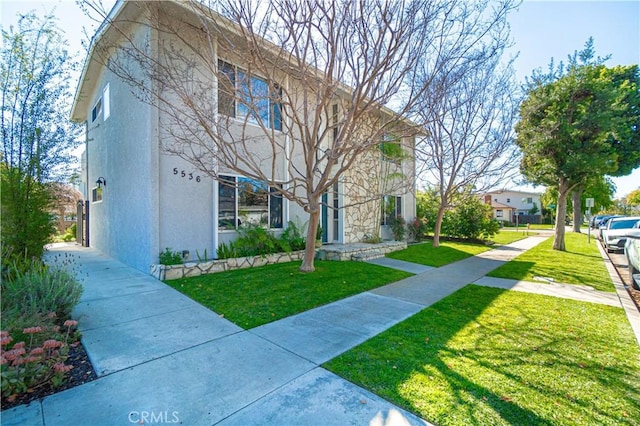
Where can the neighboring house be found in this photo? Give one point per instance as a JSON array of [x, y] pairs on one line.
[[506, 205], [143, 200]]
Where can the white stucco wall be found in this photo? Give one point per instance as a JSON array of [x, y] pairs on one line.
[[121, 149]]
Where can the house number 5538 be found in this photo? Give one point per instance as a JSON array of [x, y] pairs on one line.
[[184, 174]]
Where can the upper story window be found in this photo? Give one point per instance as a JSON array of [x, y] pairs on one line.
[[102, 105], [508, 200], [530, 200], [242, 95], [97, 110]]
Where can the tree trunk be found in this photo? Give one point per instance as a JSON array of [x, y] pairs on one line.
[[561, 213], [312, 229], [576, 197], [438, 226]]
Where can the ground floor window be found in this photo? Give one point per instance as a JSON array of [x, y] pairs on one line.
[[391, 208], [498, 213], [243, 201], [96, 195]]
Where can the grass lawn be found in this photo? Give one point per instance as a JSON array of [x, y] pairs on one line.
[[533, 226], [502, 238], [449, 251], [256, 296], [487, 356], [580, 264]]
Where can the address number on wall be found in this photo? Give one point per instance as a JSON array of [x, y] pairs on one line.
[[186, 175]]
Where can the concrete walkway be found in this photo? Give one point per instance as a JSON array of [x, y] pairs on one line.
[[162, 357]]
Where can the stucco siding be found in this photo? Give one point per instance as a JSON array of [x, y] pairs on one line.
[[120, 150]]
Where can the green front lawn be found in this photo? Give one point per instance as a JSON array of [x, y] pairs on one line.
[[488, 356], [502, 238], [449, 251], [256, 296], [580, 264]]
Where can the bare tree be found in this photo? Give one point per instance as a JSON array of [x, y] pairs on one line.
[[298, 94], [469, 107]]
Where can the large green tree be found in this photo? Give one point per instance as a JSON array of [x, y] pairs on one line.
[[576, 128], [36, 134]]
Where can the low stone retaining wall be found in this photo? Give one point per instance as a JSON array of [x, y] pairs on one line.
[[342, 252], [195, 269], [337, 252]]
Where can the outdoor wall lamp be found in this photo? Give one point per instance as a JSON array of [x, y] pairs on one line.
[[101, 181]]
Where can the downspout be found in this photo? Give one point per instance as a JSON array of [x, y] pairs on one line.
[[86, 202]]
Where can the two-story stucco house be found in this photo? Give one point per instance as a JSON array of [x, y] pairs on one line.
[[515, 206], [143, 199]]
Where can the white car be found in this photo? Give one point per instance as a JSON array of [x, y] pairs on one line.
[[614, 235], [632, 251]]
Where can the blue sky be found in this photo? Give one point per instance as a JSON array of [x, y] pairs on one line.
[[541, 30]]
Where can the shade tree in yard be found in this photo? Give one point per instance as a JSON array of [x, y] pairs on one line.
[[576, 127]]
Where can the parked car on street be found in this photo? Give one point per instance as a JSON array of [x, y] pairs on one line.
[[595, 220], [602, 224], [632, 251], [614, 233]]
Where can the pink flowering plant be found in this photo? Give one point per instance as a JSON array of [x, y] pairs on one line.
[[38, 360]]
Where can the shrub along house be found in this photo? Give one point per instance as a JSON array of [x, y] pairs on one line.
[[143, 198]]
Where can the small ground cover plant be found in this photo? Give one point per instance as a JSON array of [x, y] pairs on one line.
[[256, 296], [488, 356], [37, 301], [38, 360], [581, 263]]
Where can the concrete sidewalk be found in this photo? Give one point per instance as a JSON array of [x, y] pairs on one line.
[[161, 356]]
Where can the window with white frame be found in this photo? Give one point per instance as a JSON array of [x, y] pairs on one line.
[[391, 209], [96, 194], [106, 101], [530, 200], [243, 201], [97, 110], [498, 213], [242, 95]]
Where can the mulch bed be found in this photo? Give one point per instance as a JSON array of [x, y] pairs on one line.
[[81, 373]]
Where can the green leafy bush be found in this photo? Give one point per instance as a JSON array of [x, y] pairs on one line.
[[417, 229], [41, 289], [34, 299], [254, 240], [294, 237], [169, 257], [470, 219], [27, 224], [398, 228], [70, 233]]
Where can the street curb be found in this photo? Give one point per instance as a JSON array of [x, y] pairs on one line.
[[630, 308]]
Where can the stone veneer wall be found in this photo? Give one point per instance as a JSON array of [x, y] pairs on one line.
[[344, 252], [338, 252], [195, 269]]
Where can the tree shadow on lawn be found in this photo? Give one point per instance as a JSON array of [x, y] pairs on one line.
[[426, 254], [455, 363]]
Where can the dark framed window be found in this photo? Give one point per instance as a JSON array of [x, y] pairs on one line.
[[391, 208], [242, 95], [243, 201]]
